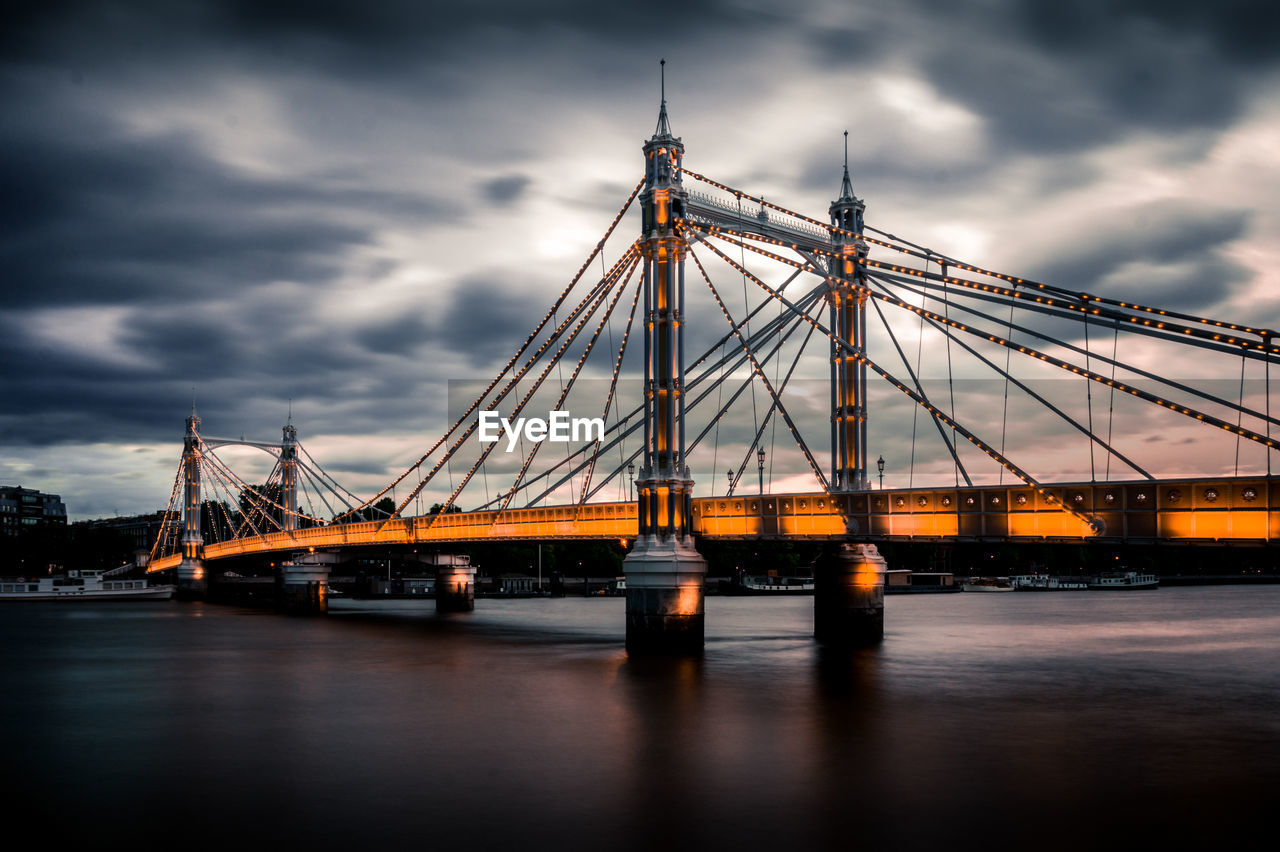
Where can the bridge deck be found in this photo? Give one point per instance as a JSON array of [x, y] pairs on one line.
[[1193, 510]]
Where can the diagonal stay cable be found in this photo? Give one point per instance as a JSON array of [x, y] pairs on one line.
[[332, 484], [573, 377], [592, 297], [316, 483], [599, 247], [737, 356], [764, 379], [484, 455], [768, 415], [169, 513], [805, 304], [1067, 366], [609, 397], [1033, 304], [1160, 314], [942, 433], [1034, 395], [708, 372], [1093, 523], [1217, 337]]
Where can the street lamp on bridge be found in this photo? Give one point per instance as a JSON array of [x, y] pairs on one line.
[[631, 481], [760, 464], [880, 467]]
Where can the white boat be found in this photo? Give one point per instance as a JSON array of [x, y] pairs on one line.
[[1045, 583], [776, 586], [988, 584], [1118, 580], [81, 586]]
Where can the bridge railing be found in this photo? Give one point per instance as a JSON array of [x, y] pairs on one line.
[[731, 213]]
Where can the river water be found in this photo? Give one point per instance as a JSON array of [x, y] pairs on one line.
[[1058, 721]]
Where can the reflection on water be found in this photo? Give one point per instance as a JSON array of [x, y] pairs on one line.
[[1059, 721]]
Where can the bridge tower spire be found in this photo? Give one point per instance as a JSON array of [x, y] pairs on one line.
[[664, 571], [847, 301], [190, 571]]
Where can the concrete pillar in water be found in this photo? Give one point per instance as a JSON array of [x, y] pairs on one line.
[[665, 596], [304, 582], [455, 582], [848, 599], [191, 583]]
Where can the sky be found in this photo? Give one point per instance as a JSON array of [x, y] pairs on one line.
[[331, 211]]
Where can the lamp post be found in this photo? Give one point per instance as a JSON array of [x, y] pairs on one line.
[[760, 465], [729, 474], [631, 481], [880, 467]]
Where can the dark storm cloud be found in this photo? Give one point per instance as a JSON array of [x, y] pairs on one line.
[[115, 220], [1157, 234], [489, 317], [505, 190], [1068, 76], [247, 188], [399, 336]]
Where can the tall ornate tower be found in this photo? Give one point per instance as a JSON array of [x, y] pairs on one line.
[[190, 572], [848, 599], [664, 571], [847, 299], [289, 475]]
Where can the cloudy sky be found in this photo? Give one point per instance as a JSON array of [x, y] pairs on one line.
[[342, 207]]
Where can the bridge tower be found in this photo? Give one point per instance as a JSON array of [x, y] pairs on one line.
[[190, 571], [289, 475], [848, 601], [664, 572], [848, 301]]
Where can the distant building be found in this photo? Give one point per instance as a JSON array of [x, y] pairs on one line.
[[23, 508], [514, 584], [143, 529]]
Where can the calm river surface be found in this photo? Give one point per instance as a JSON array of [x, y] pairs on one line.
[[1069, 720]]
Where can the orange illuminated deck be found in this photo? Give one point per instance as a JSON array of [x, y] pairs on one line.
[[1238, 510]]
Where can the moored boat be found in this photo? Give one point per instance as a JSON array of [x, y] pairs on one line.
[[1124, 580], [1046, 583], [81, 585], [754, 585]]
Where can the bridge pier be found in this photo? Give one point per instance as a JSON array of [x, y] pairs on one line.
[[848, 599], [304, 583], [455, 582], [665, 596], [191, 583]]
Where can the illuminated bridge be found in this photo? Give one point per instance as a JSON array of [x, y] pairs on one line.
[[787, 319]]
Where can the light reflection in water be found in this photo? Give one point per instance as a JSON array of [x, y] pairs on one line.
[[524, 723]]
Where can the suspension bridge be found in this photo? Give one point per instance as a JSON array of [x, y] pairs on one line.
[[763, 327]]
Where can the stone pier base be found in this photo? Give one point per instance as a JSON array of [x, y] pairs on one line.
[[848, 599], [664, 597], [455, 583], [304, 583], [191, 582]]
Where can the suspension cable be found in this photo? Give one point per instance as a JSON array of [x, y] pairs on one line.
[[1055, 361], [817, 471]]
